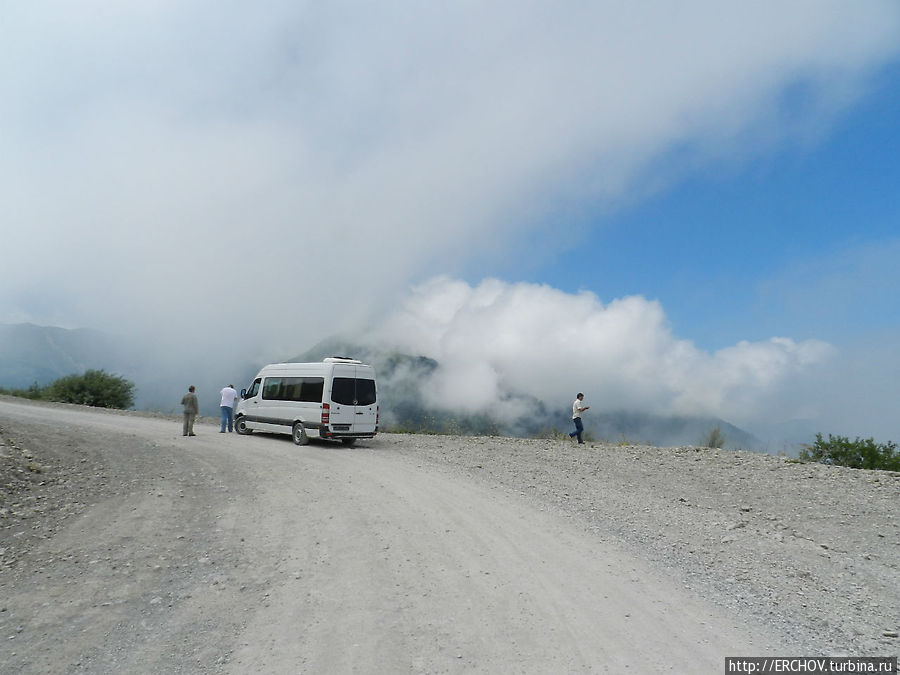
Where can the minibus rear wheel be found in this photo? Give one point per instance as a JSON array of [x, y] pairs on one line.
[[299, 434]]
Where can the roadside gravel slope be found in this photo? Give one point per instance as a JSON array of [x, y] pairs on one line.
[[810, 549], [125, 547]]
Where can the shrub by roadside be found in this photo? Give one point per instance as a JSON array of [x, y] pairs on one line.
[[858, 454], [95, 388]]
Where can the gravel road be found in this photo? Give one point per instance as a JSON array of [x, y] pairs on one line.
[[127, 548]]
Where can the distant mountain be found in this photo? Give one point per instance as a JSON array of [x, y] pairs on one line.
[[42, 354], [402, 379]]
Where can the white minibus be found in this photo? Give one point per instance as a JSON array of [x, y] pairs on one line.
[[334, 399]]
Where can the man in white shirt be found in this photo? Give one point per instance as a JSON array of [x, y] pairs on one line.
[[229, 396], [578, 407]]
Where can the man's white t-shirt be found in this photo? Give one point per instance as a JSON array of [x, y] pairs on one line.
[[228, 397], [577, 407]]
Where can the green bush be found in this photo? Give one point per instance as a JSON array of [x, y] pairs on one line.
[[858, 454], [94, 388]]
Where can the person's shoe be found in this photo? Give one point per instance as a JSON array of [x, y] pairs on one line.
[[192, 434], [222, 432]]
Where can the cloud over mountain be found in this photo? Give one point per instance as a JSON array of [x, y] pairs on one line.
[[498, 338]]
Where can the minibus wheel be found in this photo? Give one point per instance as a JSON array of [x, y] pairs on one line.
[[240, 426], [299, 434]]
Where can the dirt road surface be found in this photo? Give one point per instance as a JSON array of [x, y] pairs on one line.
[[128, 548]]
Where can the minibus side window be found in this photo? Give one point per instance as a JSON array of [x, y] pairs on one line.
[[254, 389], [312, 389], [271, 388], [303, 389], [291, 389]]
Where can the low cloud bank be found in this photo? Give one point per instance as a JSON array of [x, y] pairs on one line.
[[501, 347]]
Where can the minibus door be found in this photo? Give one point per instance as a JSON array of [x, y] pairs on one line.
[[343, 395]]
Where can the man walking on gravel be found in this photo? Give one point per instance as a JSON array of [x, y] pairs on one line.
[[191, 408], [578, 407]]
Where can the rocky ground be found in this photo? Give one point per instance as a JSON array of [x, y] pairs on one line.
[[811, 550], [46, 478]]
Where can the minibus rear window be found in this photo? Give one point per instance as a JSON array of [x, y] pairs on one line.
[[365, 392], [353, 391]]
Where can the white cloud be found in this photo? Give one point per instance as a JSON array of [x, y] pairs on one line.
[[499, 342], [237, 175]]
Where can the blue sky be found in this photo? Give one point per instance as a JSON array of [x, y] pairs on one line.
[[680, 208], [716, 247]]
